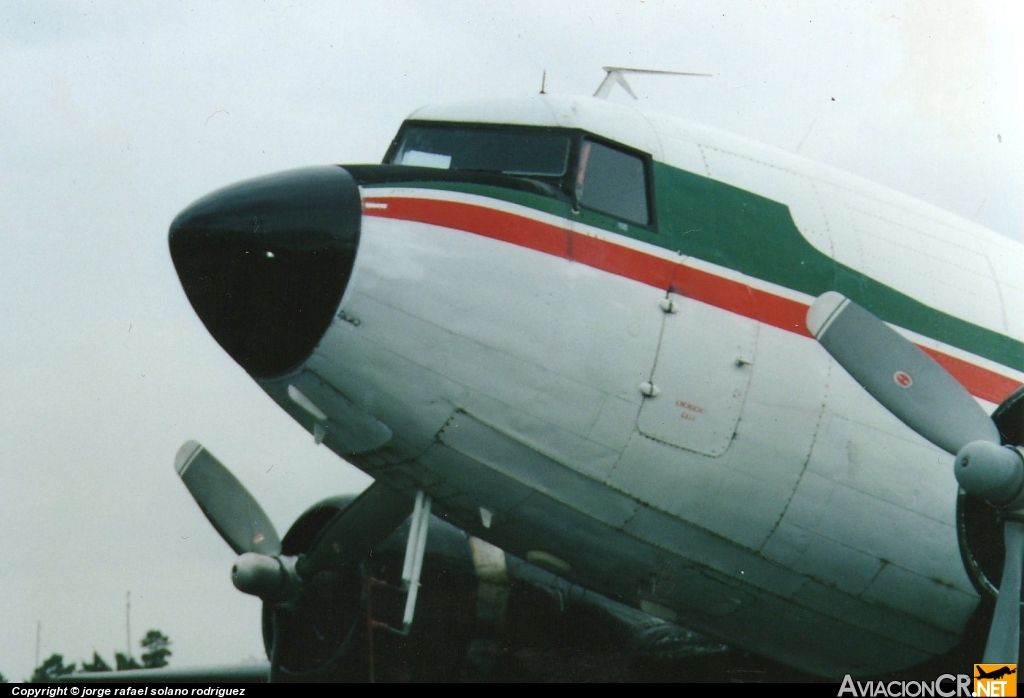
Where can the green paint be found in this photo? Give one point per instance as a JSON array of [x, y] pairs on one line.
[[718, 223], [545, 204], [734, 228]]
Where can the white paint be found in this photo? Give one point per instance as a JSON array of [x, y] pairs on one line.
[[418, 358], [762, 462], [701, 366], [486, 516], [300, 399], [95, 153]]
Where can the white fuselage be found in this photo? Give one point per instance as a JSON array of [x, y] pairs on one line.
[[694, 460]]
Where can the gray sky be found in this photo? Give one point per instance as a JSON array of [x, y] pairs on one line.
[[114, 116]]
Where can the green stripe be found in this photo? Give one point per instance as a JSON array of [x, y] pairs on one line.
[[545, 204], [736, 229]]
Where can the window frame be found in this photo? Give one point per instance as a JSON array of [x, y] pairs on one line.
[[571, 155], [645, 161], [567, 182]]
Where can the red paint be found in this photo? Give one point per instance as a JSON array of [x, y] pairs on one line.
[[736, 297], [622, 261], [714, 290], [488, 222], [988, 385]]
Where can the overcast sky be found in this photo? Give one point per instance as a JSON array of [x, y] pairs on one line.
[[114, 116]]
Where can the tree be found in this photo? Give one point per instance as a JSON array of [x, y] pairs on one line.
[[157, 646], [52, 668], [3, 679], [123, 662], [97, 664]]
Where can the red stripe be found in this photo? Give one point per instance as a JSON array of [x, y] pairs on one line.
[[488, 222], [981, 382], [658, 272], [623, 261], [714, 290]]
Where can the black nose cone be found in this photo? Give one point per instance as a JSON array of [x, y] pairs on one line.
[[265, 263]]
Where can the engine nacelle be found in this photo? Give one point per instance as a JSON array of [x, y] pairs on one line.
[[481, 614], [979, 526]]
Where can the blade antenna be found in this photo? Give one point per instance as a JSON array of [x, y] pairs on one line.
[[615, 75]]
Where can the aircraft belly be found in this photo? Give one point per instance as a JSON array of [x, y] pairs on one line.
[[659, 562], [510, 380]]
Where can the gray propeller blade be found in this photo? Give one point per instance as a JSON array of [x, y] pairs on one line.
[[234, 512], [1003, 646], [356, 529], [899, 375], [923, 395]]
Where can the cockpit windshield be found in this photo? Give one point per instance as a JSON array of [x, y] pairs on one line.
[[526, 152], [572, 165]]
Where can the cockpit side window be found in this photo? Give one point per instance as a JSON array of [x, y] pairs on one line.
[[612, 181]]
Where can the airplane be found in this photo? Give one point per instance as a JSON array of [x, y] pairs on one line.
[[995, 674], [584, 335], [477, 601]]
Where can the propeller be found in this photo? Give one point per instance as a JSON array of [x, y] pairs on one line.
[[236, 515], [926, 398], [260, 569]]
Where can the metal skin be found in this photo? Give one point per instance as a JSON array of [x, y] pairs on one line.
[[928, 400], [314, 625], [497, 345]]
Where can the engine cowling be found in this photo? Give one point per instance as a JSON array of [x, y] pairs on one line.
[[979, 524], [481, 614], [322, 626]]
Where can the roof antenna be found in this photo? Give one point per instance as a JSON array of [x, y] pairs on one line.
[[617, 76], [543, 80]]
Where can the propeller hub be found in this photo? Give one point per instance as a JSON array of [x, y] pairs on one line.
[[926, 398], [990, 471], [270, 578]]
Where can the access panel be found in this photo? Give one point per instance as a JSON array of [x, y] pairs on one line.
[[700, 377]]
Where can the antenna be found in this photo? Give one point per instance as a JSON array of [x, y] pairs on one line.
[[617, 76], [543, 81], [39, 632], [128, 620]]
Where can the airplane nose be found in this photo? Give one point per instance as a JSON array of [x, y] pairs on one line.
[[265, 262]]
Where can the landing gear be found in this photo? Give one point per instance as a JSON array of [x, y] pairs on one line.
[[412, 568]]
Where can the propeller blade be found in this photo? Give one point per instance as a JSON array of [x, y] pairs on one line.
[[234, 512], [903, 378], [356, 529], [275, 644], [1003, 646]]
